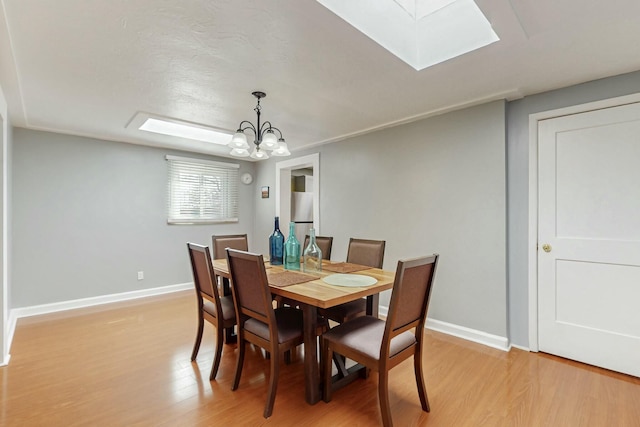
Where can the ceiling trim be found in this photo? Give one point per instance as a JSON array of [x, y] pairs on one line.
[[510, 95]]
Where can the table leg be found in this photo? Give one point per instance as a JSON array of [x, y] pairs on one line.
[[229, 334], [311, 370], [373, 305]]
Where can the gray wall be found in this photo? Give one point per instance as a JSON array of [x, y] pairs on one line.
[[437, 185], [89, 214], [518, 175]]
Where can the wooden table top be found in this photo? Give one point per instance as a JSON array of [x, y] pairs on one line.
[[319, 293]]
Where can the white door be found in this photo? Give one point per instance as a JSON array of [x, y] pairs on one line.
[[589, 202]]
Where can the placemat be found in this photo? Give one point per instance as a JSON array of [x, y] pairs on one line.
[[345, 267], [288, 278], [350, 280]]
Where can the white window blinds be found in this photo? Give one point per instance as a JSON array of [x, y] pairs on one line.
[[201, 191]]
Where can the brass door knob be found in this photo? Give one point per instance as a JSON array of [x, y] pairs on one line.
[[546, 247]]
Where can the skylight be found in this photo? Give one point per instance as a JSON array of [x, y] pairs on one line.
[[420, 32], [185, 130]]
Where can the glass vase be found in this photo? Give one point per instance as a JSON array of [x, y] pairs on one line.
[[276, 244], [312, 258], [292, 250]]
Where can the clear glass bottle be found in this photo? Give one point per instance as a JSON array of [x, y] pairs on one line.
[[276, 244], [312, 258], [292, 250]]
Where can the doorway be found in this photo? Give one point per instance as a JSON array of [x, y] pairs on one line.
[[301, 174], [5, 328], [588, 232]]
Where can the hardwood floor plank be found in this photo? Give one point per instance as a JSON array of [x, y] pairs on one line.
[[128, 364]]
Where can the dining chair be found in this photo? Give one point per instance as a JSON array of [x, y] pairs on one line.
[[381, 345], [216, 309], [218, 245], [234, 241], [364, 252], [324, 243], [276, 330]]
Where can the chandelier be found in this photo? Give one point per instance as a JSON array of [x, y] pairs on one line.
[[264, 138]]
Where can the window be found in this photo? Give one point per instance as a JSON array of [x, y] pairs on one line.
[[201, 191]]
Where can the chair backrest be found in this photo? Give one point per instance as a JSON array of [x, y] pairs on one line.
[[233, 241], [251, 294], [366, 252], [324, 243], [410, 297], [203, 277]]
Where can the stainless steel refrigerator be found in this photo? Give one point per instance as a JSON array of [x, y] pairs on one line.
[[302, 213]]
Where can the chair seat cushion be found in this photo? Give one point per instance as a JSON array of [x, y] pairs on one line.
[[347, 310], [289, 321], [364, 334], [228, 311]]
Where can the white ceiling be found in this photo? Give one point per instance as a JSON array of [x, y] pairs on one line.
[[87, 67]]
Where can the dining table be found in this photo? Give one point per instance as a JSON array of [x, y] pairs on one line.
[[311, 293]]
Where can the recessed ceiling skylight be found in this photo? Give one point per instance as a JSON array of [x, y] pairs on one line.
[[185, 130], [420, 32]]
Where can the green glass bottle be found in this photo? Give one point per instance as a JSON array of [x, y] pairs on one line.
[[292, 250]]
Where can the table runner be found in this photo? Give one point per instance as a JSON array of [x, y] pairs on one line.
[[344, 267], [287, 278]]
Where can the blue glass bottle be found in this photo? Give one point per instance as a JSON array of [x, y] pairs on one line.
[[292, 250], [276, 245]]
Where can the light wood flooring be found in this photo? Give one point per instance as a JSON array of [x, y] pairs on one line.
[[127, 364]]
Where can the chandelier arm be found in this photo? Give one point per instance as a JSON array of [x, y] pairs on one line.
[[265, 127], [250, 127], [279, 133]]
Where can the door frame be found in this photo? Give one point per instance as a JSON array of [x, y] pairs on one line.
[[6, 330], [532, 238], [283, 187]]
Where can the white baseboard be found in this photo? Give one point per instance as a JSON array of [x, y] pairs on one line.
[[11, 329], [103, 299], [480, 337], [5, 362], [519, 347], [495, 341], [36, 310]]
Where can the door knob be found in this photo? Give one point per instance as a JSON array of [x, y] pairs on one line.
[[546, 247]]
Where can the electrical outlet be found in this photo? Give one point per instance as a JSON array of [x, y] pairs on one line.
[[140, 275]]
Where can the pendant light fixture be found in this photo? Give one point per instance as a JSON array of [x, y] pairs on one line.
[[264, 137]]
